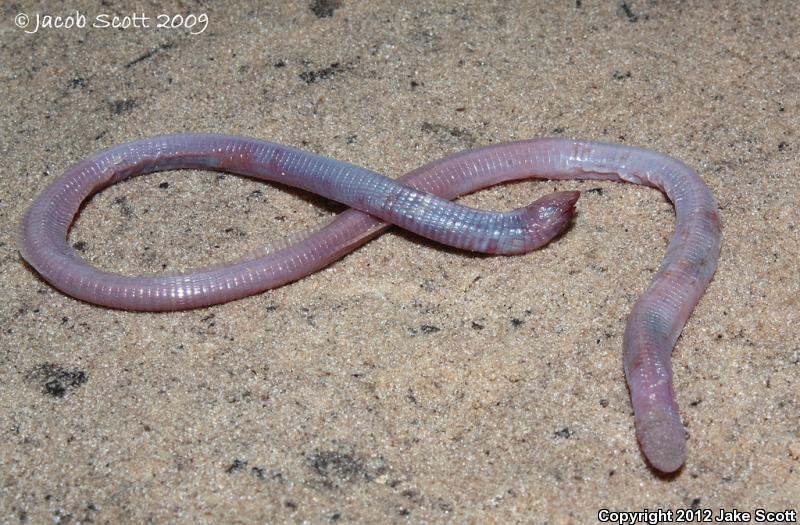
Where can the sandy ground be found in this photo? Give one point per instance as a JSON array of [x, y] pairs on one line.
[[405, 383]]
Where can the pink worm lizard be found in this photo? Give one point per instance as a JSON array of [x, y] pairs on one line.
[[419, 202]]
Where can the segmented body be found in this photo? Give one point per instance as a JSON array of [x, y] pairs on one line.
[[652, 329]]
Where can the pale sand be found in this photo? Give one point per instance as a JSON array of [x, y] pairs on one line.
[[406, 383]]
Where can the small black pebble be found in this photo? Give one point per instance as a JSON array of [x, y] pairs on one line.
[[325, 8], [429, 329], [238, 464], [563, 433]]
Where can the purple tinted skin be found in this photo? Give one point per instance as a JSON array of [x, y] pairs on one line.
[[43, 232], [412, 203]]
